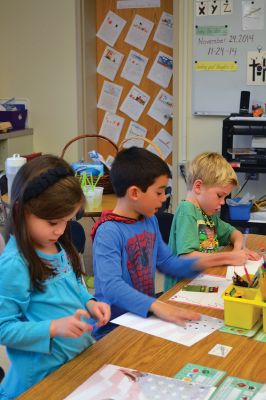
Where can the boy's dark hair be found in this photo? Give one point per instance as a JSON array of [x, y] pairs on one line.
[[136, 167], [49, 198]]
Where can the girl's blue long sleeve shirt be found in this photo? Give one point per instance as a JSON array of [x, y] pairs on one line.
[[26, 314]]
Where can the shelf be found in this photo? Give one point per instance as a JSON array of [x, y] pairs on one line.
[[252, 168], [13, 134]]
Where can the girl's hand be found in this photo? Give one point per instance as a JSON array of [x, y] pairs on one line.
[[99, 311], [70, 326], [174, 314]]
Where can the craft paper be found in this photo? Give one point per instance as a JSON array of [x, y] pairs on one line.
[[110, 63], [138, 4], [220, 350], [227, 7], [193, 332], [120, 383], [139, 32], [134, 103], [162, 69], [109, 97], [111, 28], [241, 331], [162, 108], [135, 130], [164, 31], [253, 15], [111, 126], [164, 141], [251, 266], [256, 68], [134, 67], [200, 374], [234, 388], [211, 300]]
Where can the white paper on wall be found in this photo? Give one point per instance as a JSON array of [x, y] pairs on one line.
[[111, 28], [164, 141], [134, 131], [111, 126], [162, 69], [162, 108], [109, 97], [109, 63], [134, 103], [139, 32], [164, 30], [134, 67]]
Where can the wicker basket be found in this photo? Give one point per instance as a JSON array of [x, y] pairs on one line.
[[104, 181]]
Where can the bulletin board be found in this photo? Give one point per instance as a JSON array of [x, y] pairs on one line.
[[229, 55], [149, 127]]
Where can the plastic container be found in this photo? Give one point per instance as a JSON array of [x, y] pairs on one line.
[[12, 165], [93, 197], [241, 312], [17, 118], [240, 212]]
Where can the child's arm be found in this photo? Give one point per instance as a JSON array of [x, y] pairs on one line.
[[237, 239], [70, 326], [99, 311], [174, 314]]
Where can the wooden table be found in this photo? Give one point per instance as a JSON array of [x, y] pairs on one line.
[[133, 349]]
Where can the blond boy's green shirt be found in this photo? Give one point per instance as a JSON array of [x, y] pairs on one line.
[[192, 231]]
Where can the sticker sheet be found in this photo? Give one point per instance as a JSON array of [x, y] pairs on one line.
[[112, 382], [237, 389], [199, 374]]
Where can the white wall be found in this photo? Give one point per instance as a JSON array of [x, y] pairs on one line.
[[39, 62]]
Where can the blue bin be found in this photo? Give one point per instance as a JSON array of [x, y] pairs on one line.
[[240, 212]]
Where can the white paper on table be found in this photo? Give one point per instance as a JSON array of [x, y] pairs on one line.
[[109, 97], [251, 267], [164, 30], [123, 4], [210, 300], [111, 28], [162, 69], [120, 383], [110, 63], [193, 332], [111, 126], [139, 32], [134, 103], [164, 141], [135, 130], [162, 107], [134, 67]]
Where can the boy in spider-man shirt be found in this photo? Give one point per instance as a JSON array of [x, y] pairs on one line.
[[128, 247]]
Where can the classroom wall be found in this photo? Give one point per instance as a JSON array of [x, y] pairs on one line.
[[44, 59], [40, 61]]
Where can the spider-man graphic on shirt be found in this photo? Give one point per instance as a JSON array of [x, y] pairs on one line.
[[139, 249]]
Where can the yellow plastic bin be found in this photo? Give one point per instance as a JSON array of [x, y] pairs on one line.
[[242, 312]]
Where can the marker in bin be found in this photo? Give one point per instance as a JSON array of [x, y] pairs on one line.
[[246, 232]]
